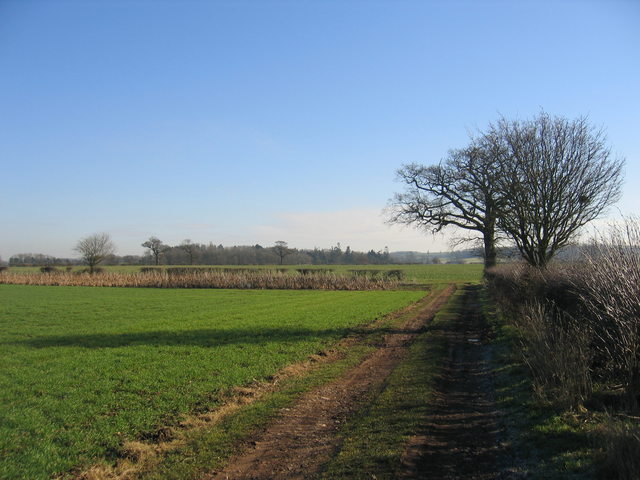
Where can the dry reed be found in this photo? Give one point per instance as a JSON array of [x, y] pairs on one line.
[[610, 287], [556, 349], [266, 279]]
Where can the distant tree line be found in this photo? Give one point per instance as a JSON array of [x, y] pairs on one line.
[[190, 253], [28, 259]]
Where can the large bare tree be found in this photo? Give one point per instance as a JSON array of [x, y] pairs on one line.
[[556, 176], [95, 248], [536, 182], [460, 191]]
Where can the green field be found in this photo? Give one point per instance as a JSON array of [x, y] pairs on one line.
[[84, 369]]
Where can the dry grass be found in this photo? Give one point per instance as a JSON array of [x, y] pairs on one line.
[[266, 279], [556, 347], [621, 449], [556, 339], [610, 287]]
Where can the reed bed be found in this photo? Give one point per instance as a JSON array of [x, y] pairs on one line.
[[262, 280]]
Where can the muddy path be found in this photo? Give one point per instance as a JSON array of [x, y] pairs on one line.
[[298, 443], [461, 437]]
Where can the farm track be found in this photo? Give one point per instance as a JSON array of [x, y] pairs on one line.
[[304, 437], [461, 437]]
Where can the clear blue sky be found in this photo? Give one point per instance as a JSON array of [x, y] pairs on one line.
[[246, 122]]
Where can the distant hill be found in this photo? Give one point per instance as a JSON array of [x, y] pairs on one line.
[[460, 256]]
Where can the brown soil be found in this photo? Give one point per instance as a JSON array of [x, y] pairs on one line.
[[461, 437], [305, 437]]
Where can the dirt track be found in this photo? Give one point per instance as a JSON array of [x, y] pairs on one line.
[[297, 444], [459, 440]]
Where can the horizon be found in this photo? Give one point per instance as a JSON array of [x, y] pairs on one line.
[[243, 123], [147, 252]]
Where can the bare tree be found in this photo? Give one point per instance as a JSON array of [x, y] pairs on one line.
[[95, 248], [156, 247], [189, 248], [281, 250], [556, 176], [458, 192]]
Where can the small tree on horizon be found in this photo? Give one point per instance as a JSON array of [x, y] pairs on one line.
[[282, 250], [156, 247], [95, 248]]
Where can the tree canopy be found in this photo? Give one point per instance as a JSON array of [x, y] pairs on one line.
[[156, 248], [536, 181], [460, 191], [95, 248], [558, 175]]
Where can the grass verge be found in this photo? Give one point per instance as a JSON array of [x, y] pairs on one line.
[[547, 442], [375, 440]]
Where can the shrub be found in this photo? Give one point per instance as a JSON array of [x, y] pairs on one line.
[[556, 347], [397, 274], [556, 340], [313, 271], [621, 450], [610, 291], [149, 270], [594, 299]]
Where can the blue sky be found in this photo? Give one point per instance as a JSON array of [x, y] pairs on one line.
[[254, 121]]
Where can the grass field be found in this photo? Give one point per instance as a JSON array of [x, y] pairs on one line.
[[84, 369]]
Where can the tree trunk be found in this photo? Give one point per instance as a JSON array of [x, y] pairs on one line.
[[490, 253]]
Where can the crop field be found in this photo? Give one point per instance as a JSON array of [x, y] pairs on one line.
[[84, 369], [419, 274]]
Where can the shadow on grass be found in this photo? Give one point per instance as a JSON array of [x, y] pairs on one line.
[[209, 337]]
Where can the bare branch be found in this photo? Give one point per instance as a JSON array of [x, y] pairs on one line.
[[95, 248], [458, 192], [558, 175]]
